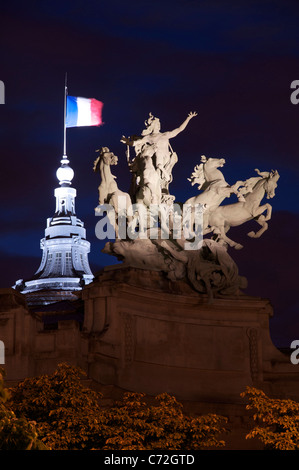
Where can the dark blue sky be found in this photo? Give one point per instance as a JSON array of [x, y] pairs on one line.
[[232, 62]]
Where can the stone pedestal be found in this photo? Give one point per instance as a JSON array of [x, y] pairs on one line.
[[148, 334]]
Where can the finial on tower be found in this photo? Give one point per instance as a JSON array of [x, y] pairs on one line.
[[65, 173]]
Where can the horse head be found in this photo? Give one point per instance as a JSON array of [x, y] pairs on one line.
[[106, 156], [199, 175], [271, 183], [212, 163]]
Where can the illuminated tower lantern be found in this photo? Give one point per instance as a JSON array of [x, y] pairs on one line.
[[64, 266]]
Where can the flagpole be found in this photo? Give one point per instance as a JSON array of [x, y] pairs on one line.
[[64, 120]]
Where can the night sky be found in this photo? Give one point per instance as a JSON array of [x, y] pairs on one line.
[[231, 62]]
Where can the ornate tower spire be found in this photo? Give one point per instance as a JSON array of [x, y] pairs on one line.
[[64, 266]]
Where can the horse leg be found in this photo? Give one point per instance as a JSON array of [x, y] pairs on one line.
[[220, 230], [261, 220], [236, 186], [269, 211], [208, 230]]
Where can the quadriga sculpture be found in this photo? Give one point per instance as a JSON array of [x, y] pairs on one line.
[[207, 266]]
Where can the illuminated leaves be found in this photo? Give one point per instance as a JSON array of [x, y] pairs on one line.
[[277, 420], [15, 433], [134, 424], [61, 412], [70, 416], [65, 411]]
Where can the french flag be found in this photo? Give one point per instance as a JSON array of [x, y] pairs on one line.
[[83, 112]]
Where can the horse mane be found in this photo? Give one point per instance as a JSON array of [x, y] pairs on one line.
[[198, 174], [95, 163], [254, 180]]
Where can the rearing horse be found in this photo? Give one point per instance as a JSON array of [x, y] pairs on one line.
[[109, 193], [213, 185], [212, 182], [225, 217]]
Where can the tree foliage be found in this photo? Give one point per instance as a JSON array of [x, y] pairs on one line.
[[15, 433], [277, 420], [70, 416], [132, 424]]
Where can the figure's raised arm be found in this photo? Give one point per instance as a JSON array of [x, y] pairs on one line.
[[183, 126], [126, 140], [131, 141]]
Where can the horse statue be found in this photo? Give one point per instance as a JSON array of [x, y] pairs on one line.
[[109, 193], [225, 217], [212, 182], [213, 185]]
